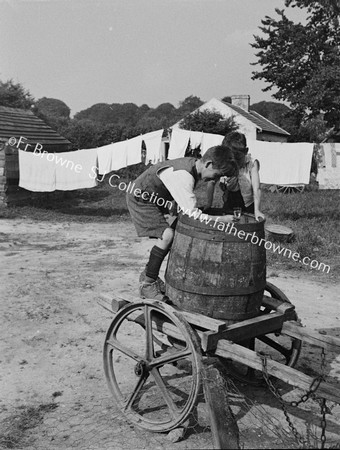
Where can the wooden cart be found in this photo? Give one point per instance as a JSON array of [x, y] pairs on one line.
[[157, 355], [166, 351]]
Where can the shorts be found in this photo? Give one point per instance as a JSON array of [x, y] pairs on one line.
[[147, 217]]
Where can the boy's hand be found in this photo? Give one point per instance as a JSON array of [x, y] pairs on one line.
[[227, 218], [259, 215]]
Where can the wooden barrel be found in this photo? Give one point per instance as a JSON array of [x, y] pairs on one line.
[[218, 270]]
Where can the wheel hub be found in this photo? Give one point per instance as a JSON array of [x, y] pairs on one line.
[[141, 368]]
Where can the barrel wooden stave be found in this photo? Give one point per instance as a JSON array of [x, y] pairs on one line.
[[215, 273]]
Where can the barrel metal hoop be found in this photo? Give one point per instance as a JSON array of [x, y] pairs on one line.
[[211, 291], [215, 235], [212, 224]]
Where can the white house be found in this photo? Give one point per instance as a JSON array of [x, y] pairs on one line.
[[251, 124]]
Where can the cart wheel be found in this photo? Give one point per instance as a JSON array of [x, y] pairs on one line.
[[276, 346], [152, 364], [290, 189]]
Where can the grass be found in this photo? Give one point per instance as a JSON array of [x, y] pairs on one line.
[[102, 203], [313, 216]]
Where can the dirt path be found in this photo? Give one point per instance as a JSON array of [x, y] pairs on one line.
[[53, 391]]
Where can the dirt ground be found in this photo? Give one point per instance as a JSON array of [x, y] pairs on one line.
[[53, 390]]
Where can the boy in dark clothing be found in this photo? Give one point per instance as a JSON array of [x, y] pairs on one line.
[[243, 190], [152, 197]]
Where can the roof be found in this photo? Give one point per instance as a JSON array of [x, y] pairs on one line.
[[261, 122], [15, 122]]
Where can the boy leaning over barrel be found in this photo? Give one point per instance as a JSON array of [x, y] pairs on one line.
[[150, 201]]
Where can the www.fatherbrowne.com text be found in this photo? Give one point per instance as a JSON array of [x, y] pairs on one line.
[[228, 227]]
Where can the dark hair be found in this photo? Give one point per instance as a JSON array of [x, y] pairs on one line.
[[222, 158], [236, 141], [238, 145]]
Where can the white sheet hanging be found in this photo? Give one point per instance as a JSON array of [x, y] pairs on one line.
[[104, 155], [76, 170], [282, 163], [178, 143], [119, 155], [153, 142], [36, 172], [134, 151], [210, 140], [195, 139]]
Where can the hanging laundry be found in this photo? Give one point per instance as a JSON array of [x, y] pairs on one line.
[[282, 163], [319, 152], [195, 139], [76, 170], [329, 175], [210, 140], [104, 155], [153, 143], [333, 153], [178, 143], [119, 155], [36, 172], [134, 151]]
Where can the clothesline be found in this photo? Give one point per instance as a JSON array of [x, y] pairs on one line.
[[47, 172], [280, 163]]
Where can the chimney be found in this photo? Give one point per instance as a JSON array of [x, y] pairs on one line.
[[243, 101]]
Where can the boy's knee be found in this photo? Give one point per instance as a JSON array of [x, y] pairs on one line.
[[168, 235], [167, 238]]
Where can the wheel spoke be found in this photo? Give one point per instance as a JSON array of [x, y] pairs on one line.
[[275, 345], [164, 400], [169, 401], [149, 349], [136, 391], [169, 358], [113, 342]]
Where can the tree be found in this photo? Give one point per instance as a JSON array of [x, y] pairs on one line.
[[303, 61], [54, 112], [100, 113], [150, 123], [126, 114], [15, 95], [273, 111], [163, 110], [83, 133], [281, 115], [189, 104], [52, 107], [208, 122]]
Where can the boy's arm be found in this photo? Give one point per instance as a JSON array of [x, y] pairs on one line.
[[255, 180], [210, 193], [181, 184]]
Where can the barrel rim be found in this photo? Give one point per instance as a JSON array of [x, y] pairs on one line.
[[257, 225]]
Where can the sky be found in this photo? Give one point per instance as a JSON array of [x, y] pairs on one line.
[[150, 52]]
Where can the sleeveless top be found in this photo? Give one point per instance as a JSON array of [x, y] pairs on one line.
[[150, 182]]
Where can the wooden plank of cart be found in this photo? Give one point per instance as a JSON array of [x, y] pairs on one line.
[[157, 355]]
